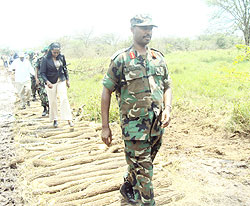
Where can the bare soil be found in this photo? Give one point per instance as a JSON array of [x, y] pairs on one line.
[[8, 173], [199, 164]]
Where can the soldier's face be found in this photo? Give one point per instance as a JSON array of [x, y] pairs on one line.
[[142, 34]]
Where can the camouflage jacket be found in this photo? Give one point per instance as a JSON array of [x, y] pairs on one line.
[[139, 83], [38, 63]]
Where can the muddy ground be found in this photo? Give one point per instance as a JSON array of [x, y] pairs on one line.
[[8, 173], [199, 163]]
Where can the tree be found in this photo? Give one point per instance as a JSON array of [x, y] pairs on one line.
[[109, 39], [85, 37], [237, 12], [5, 51]]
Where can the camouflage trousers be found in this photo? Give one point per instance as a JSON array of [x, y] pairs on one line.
[[42, 93], [33, 85], [140, 155]]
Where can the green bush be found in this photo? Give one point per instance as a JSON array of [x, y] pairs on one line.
[[241, 117], [245, 53]]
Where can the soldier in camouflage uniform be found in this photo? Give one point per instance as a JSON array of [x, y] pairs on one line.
[[140, 79], [41, 84], [32, 77]]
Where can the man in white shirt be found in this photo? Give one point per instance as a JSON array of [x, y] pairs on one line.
[[23, 69]]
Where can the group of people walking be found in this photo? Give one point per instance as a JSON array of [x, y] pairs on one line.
[[48, 74], [139, 76]]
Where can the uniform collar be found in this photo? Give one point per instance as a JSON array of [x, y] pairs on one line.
[[134, 54]]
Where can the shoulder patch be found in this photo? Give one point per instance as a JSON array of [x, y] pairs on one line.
[[157, 51], [118, 52]]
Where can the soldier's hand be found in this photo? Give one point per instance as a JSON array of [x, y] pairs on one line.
[[166, 117], [37, 82], [107, 136], [67, 83]]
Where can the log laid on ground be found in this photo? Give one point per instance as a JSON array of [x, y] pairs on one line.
[[93, 190], [27, 140], [75, 134], [46, 134], [166, 199], [61, 188], [67, 147], [41, 174], [83, 160], [73, 150], [101, 200], [36, 148], [77, 186], [53, 181], [42, 163], [91, 168]]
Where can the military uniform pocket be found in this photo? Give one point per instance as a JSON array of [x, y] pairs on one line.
[[136, 128], [156, 78], [134, 113], [134, 79]]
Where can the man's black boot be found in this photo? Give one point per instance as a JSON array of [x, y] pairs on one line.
[[127, 192], [44, 111]]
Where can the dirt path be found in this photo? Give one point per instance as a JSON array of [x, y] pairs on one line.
[[8, 173], [197, 165]]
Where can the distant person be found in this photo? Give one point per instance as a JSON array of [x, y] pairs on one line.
[[23, 70], [55, 74], [31, 56], [140, 78], [5, 61], [11, 58], [41, 84]]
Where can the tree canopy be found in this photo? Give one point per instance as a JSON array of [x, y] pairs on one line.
[[237, 12]]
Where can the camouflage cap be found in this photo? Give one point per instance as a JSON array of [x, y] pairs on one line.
[[142, 20], [45, 49], [30, 52]]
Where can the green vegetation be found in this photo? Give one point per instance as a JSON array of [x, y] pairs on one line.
[[206, 81], [240, 120], [86, 87], [210, 82], [210, 77]]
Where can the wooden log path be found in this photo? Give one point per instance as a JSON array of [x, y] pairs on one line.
[[71, 166]]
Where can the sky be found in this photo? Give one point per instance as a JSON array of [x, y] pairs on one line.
[[29, 23]]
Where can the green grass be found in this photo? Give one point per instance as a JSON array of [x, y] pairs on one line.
[[207, 80], [240, 120], [210, 80], [86, 88]]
